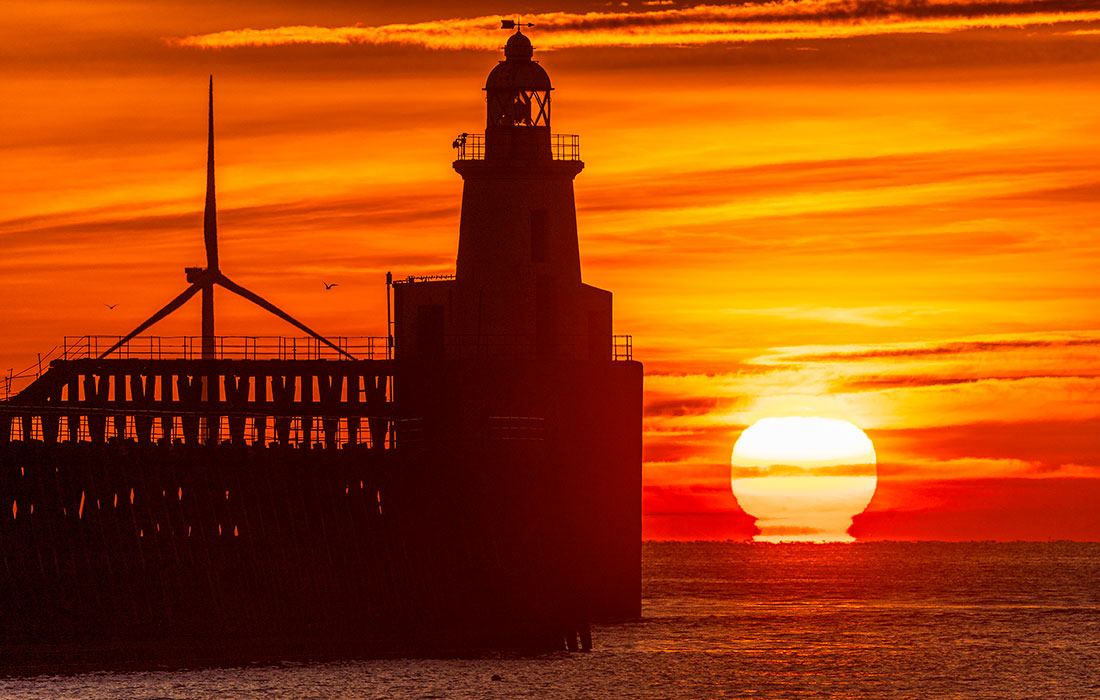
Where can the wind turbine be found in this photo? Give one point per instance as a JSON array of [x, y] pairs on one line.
[[204, 279]]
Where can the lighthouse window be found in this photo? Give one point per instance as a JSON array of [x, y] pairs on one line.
[[521, 110], [539, 236]]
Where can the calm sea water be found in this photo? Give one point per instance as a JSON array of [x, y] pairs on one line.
[[889, 620]]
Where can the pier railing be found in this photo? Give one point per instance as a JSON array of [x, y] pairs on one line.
[[226, 347], [622, 348], [13, 382], [229, 347], [269, 348]]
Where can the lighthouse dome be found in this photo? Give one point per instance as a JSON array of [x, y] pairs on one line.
[[518, 71], [518, 46]]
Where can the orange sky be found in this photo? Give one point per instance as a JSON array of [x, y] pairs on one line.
[[884, 212]]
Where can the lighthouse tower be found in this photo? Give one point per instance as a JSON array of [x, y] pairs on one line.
[[519, 414], [517, 291]]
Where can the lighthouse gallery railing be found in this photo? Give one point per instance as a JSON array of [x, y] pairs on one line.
[[562, 147]]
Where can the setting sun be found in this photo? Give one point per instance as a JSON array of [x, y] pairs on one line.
[[803, 478]]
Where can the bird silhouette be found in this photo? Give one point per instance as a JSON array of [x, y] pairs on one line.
[[110, 306], [330, 286]]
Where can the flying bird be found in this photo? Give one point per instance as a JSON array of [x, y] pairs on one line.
[[330, 286], [110, 306]]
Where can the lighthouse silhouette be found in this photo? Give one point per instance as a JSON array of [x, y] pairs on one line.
[[521, 412], [517, 291]]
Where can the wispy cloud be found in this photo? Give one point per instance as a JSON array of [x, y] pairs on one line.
[[970, 509], [876, 383], [699, 25], [915, 350], [929, 469], [1050, 445], [680, 406], [863, 315]]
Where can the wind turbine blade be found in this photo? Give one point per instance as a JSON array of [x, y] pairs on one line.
[[265, 304], [168, 308], [210, 215]]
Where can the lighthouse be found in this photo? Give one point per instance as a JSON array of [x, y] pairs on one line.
[[517, 291], [520, 410]]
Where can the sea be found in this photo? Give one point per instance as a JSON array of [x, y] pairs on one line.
[[915, 620]]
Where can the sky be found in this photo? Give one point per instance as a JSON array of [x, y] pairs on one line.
[[878, 211]]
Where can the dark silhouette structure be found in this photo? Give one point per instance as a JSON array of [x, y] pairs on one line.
[[472, 481]]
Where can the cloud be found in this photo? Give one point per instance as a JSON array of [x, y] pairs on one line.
[[743, 472], [1016, 380], [680, 406], [983, 509], [942, 350], [694, 26], [873, 383], [336, 213], [688, 446], [695, 499], [861, 315], [933, 469], [1050, 447], [825, 214]]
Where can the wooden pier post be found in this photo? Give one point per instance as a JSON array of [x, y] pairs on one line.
[[189, 389], [260, 421]]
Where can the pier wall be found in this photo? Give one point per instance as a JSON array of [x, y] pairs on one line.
[[501, 510]]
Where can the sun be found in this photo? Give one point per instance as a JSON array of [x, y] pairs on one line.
[[803, 478]]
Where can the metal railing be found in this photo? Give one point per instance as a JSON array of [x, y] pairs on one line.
[[622, 348], [413, 279], [273, 348], [226, 347], [469, 147], [565, 146], [562, 147], [13, 382]]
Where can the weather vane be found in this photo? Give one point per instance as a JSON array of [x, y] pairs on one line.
[[513, 24]]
